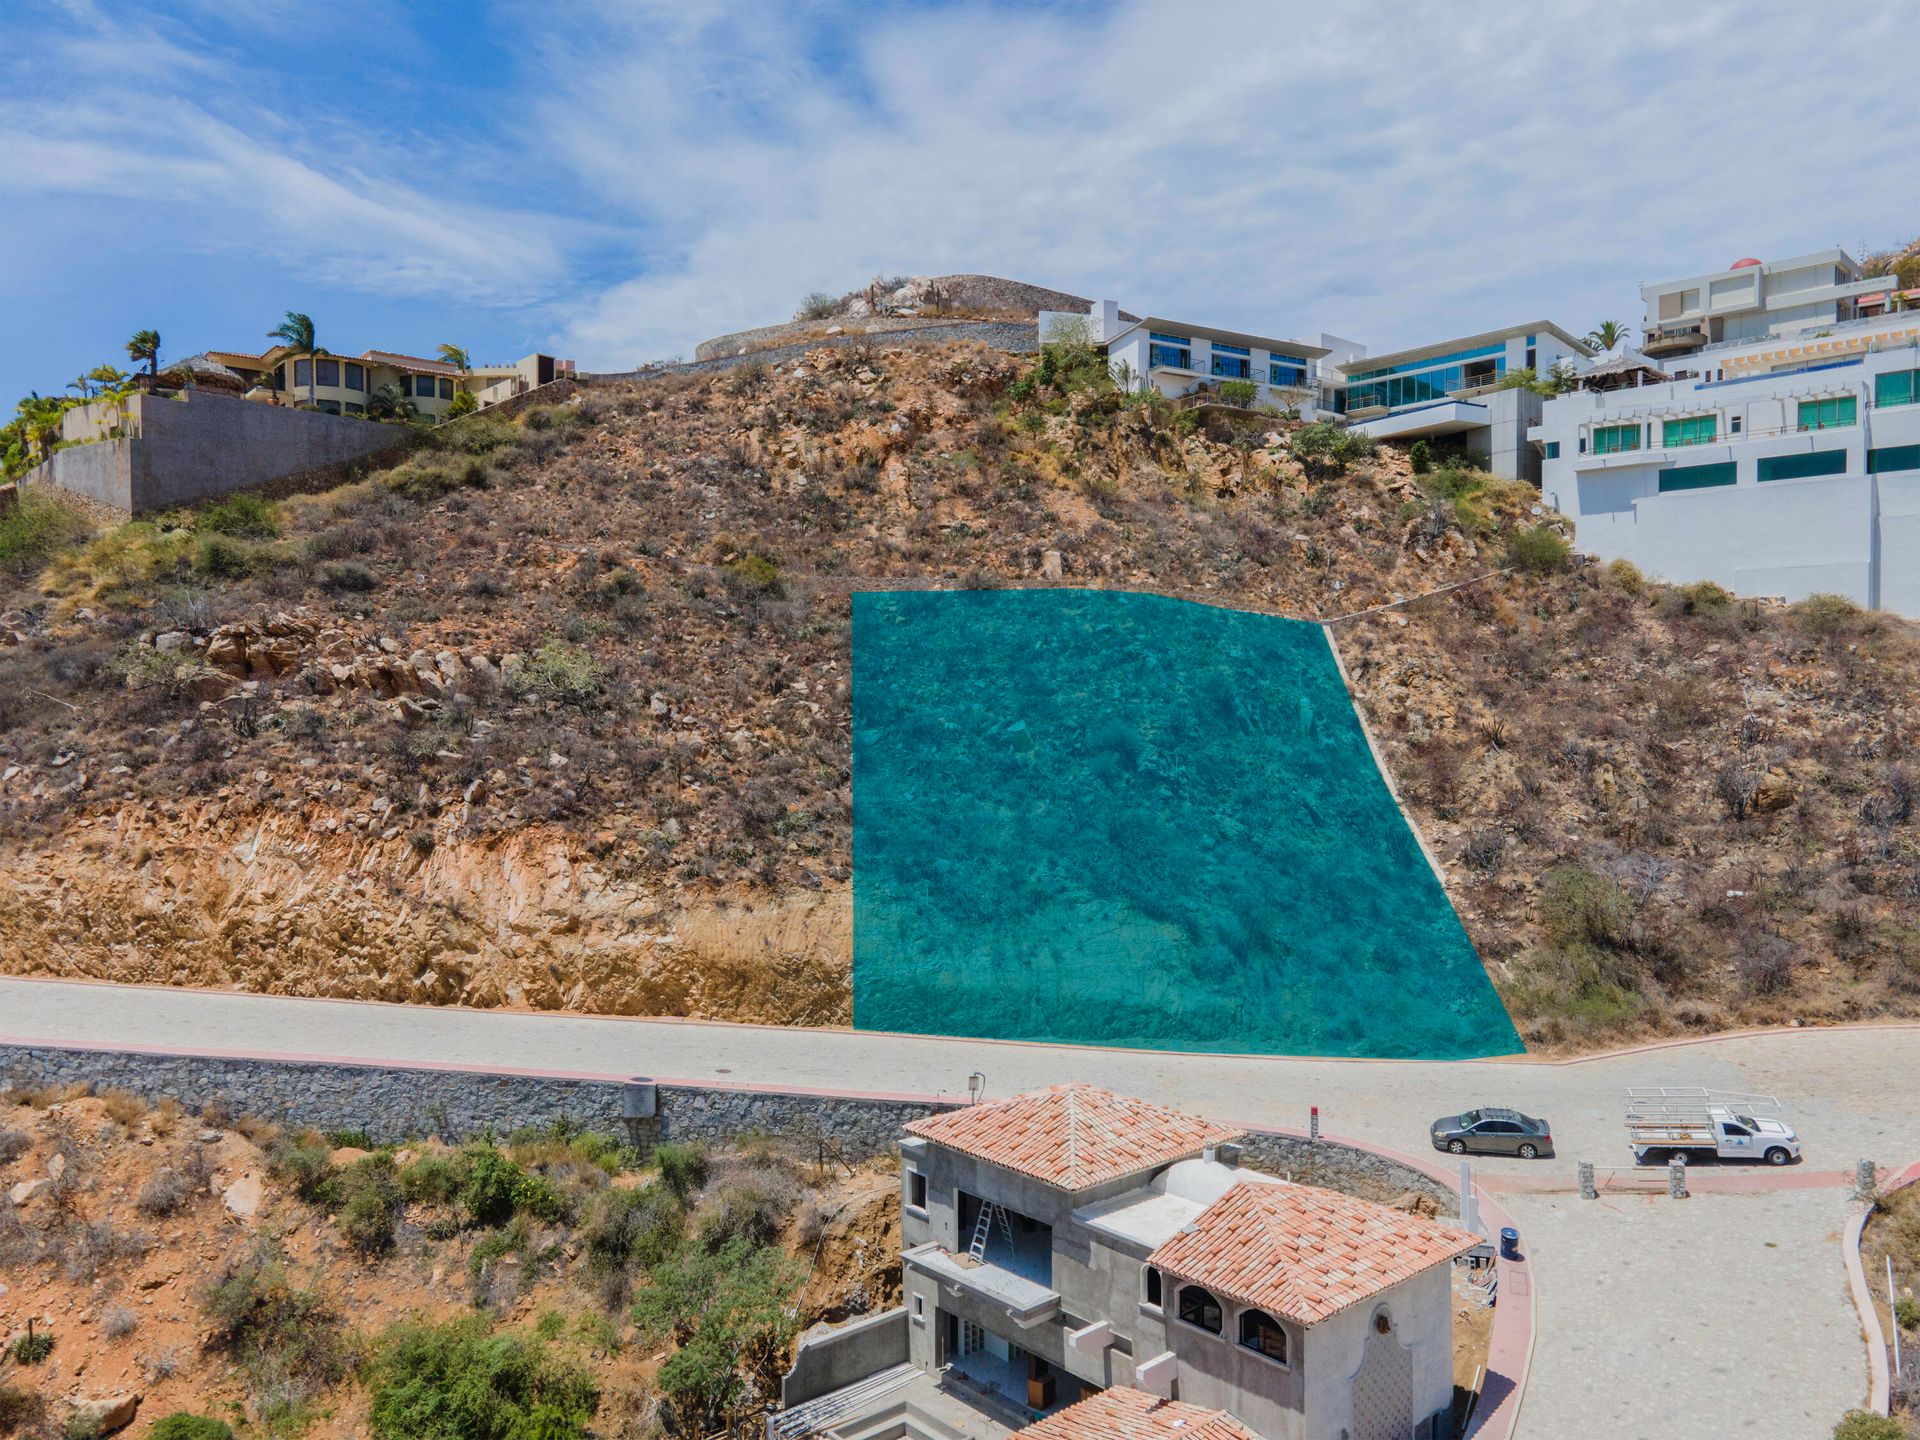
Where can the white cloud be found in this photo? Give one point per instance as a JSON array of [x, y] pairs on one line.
[[1393, 172]]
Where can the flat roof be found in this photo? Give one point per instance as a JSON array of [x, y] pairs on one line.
[[1833, 255], [1229, 337], [1463, 342]]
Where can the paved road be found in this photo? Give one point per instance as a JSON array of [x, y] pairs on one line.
[[1639, 1298]]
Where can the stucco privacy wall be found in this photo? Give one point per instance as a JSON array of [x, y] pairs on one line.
[[396, 1103], [202, 444], [830, 1358]]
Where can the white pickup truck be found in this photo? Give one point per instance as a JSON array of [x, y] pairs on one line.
[[1679, 1124]]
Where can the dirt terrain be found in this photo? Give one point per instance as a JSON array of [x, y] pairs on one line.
[[556, 713]]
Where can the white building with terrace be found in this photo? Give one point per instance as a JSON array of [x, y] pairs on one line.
[[1179, 359]]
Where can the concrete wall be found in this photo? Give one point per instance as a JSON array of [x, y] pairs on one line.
[[1422, 1314], [829, 1358], [1510, 414], [204, 444]]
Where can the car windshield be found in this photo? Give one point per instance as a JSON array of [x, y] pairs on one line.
[[1470, 1117], [1748, 1121]]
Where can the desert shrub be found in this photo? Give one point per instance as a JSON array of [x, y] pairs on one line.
[[123, 1107], [683, 1167], [1826, 615], [730, 1312], [369, 1198], [348, 575], [432, 1178], [1625, 576], [816, 305], [304, 1164], [620, 580], [751, 1205], [492, 1186], [1325, 449], [165, 1193], [20, 1409], [563, 672], [1580, 906], [1237, 392], [221, 557], [248, 516], [182, 1426], [35, 527], [753, 575], [1865, 1425], [1420, 457], [1484, 849], [459, 1382], [1538, 550], [286, 1340], [1704, 597], [119, 1322], [32, 1347], [1765, 965], [1906, 1313], [639, 1226], [13, 1144]]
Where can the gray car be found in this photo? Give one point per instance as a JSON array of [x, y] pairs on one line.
[[1493, 1131]]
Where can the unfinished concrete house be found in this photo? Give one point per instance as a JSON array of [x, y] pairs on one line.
[[1073, 1243]]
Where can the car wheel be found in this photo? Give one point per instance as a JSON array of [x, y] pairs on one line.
[[1777, 1156], [1457, 1147], [1528, 1152]]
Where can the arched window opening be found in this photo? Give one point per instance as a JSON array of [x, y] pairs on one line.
[[1260, 1331], [1199, 1308]]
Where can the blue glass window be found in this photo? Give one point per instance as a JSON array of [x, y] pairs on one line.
[[1170, 350], [1553, 449], [1232, 361], [1431, 361], [1286, 370]]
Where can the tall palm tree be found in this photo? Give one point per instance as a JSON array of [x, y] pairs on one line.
[[145, 345], [453, 355], [84, 384], [108, 377], [296, 333], [40, 417], [1609, 334]]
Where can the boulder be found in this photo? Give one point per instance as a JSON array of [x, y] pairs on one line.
[[227, 649], [170, 641], [105, 1415], [1776, 792], [203, 683], [23, 1192], [1051, 566], [242, 1198]]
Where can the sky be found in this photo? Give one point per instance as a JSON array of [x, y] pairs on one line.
[[613, 182]]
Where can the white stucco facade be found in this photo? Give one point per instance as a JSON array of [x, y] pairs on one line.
[[1753, 300], [1774, 482], [1179, 358]]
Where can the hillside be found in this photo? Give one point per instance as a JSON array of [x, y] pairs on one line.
[[557, 713]]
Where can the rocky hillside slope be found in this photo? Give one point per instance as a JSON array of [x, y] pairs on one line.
[[557, 713]]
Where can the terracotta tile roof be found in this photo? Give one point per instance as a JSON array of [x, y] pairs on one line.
[[1072, 1136], [1303, 1253], [1123, 1413]]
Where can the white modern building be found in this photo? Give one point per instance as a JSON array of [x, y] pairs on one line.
[[1793, 470], [1451, 393], [1689, 322], [1179, 358]]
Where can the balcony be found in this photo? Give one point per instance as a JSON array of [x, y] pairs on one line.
[[1026, 1301], [1674, 340]]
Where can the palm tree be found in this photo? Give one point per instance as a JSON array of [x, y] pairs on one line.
[[145, 345], [1609, 334], [109, 378], [84, 384], [40, 420], [453, 355], [296, 333], [390, 402]]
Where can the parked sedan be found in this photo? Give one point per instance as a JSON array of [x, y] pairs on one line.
[[1492, 1131]]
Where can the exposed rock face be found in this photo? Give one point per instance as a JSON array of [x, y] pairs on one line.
[[103, 1416], [1775, 792]]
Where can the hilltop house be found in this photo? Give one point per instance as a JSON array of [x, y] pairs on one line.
[[1178, 358], [342, 385], [1079, 1257], [1777, 449]]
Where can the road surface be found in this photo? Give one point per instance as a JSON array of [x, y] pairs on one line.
[[1729, 1305]]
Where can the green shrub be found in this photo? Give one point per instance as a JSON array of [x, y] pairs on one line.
[[304, 1166], [1579, 906], [432, 1178], [751, 1205], [536, 1195], [1538, 550], [285, 1339], [730, 1312], [370, 1203], [1906, 1312], [563, 672], [818, 305], [1625, 576], [683, 1167], [247, 516], [620, 580], [1325, 449], [220, 557], [1420, 457], [348, 575], [463, 404], [182, 1426], [350, 1139], [492, 1185], [1237, 392], [1865, 1425], [35, 527], [1704, 598], [20, 1409], [31, 1348], [753, 575], [458, 1382], [642, 1225], [1826, 615]]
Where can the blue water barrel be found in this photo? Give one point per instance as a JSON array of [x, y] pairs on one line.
[[1509, 1243]]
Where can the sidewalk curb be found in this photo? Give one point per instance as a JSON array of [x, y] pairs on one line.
[[1879, 1378]]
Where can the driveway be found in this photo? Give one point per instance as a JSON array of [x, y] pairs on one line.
[[1732, 1306]]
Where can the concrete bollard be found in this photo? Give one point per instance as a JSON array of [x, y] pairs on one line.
[[1676, 1179], [1865, 1180], [1588, 1190]]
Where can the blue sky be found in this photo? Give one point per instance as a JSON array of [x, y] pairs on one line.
[[614, 182]]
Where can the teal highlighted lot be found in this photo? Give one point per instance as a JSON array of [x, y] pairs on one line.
[[1117, 819]]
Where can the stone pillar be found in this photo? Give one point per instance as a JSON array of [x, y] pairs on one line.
[[1677, 1179], [1588, 1190]]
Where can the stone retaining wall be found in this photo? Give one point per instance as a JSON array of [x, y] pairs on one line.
[[396, 1103]]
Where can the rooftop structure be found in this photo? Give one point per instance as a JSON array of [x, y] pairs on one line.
[[1072, 1136], [1124, 1413], [1179, 358], [1758, 300]]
